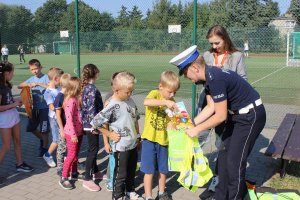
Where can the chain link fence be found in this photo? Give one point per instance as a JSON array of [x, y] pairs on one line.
[[137, 39]]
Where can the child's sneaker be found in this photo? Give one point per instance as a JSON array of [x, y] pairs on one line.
[[213, 184], [164, 196], [65, 184], [133, 196], [91, 186], [49, 160], [108, 187], [24, 168]]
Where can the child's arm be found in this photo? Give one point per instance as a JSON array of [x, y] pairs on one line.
[[3, 108], [157, 102], [107, 147], [111, 134], [58, 112], [24, 84]]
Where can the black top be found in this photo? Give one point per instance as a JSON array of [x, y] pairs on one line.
[[6, 95], [224, 84]]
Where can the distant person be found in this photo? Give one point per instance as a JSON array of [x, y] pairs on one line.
[[121, 115], [5, 52], [21, 53], [246, 48], [39, 123], [154, 157], [10, 126], [222, 54]]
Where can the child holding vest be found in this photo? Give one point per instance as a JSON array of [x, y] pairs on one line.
[[155, 138]]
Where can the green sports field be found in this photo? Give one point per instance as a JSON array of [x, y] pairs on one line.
[[268, 74]]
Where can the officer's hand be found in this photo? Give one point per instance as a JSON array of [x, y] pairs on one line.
[[192, 132]]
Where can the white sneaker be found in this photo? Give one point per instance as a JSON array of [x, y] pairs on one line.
[[133, 196], [49, 160], [213, 184]]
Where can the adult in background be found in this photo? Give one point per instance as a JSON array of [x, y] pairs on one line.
[[246, 48], [224, 55], [21, 53], [4, 51], [231, 98]]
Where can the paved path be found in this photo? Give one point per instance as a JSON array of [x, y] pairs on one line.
[[42, 183]]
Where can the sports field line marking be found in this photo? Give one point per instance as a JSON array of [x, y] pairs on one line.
[[267, 75]]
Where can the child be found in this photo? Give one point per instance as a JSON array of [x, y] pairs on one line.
[[72, 130], [154, 154], [9, 118], [38, 84], [61, 121], [51, 92], [107, 145], [121, 115], [91, 105]]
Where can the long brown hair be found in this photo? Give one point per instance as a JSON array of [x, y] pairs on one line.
[[220, 31], [5, 67], [89, 71]]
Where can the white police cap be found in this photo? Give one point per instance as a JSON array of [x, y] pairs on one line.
[[185, 58]]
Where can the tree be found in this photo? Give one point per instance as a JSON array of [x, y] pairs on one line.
[[295, 9], [159, 18], [48, 18], [135, 18], [122, 20]]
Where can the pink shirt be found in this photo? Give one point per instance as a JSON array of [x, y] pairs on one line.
[[73, 125]]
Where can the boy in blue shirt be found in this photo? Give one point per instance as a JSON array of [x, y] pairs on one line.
[[38, 84]]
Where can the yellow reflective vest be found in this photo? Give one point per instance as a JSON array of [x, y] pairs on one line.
[[186, 157]]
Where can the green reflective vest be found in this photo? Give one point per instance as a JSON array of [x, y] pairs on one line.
[[273, 195], [186, 157]]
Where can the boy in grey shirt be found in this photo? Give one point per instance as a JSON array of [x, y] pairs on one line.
[[122, 116]]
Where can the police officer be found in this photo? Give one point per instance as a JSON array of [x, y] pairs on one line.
[[231, 98]]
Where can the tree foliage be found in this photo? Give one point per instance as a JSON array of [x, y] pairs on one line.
[[295, 9]]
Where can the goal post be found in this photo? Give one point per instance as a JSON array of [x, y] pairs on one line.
[[293, 49], [62, 47]]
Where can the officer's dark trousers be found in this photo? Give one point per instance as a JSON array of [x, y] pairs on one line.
[[124, 173], [239, 137]]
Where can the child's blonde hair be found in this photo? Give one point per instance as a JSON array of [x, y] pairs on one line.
[[64, 80], [170, 80], [73, 88], [54, 72], [124, 79]]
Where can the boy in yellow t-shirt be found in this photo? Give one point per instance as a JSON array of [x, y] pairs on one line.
[[154, 156]]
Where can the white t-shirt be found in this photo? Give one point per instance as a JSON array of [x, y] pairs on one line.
[[49, 97], [4, 51], [246, 46]]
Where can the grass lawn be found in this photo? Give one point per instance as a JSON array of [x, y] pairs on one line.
[[268, 74]]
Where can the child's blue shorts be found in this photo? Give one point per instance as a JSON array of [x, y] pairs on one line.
[[154, 158]]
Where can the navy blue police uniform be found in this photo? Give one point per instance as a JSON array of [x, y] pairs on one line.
[[245, 121]]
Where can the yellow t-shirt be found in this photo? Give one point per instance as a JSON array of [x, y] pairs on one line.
[[156, 121]]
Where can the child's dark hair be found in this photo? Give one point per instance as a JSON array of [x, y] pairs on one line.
[[5, 67], [89, 72], [35, 62]]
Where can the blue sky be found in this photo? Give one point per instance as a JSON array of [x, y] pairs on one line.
[[114, 6]]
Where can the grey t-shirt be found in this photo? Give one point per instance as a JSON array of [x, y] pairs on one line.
[[121, 117]]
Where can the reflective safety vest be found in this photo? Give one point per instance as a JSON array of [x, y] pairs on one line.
[[279, 195], [186, 157]]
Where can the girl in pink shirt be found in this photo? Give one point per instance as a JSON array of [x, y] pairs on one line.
[[73, 131]]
